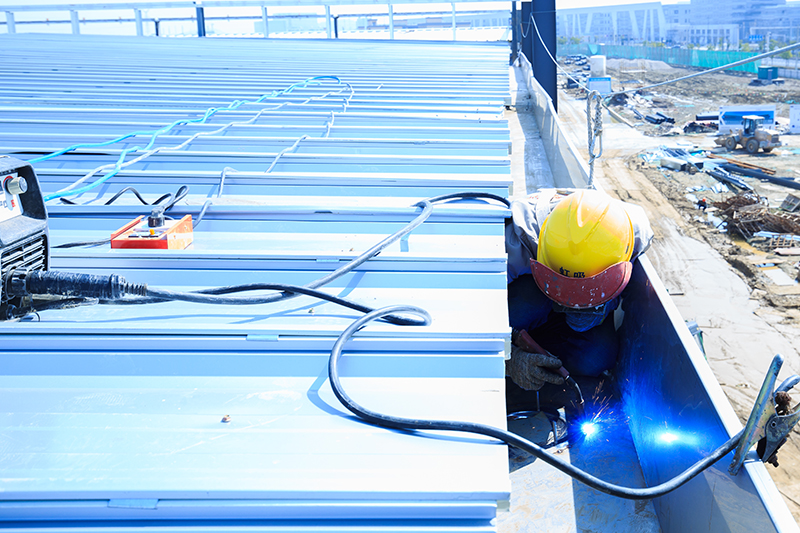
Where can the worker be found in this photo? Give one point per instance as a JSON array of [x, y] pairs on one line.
[[569, 260], [702, 203]]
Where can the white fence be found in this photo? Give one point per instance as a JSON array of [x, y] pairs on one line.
[[266, 18]]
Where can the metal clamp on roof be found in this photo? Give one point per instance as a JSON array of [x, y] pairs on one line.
[[771, 420]]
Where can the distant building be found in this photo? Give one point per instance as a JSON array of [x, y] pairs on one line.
[[781, 23], [741, 13], [720, 23], [678, 14], [614, 24], [725, 36]]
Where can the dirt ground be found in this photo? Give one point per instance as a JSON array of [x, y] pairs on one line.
[[713, 277], [705, 95], [686, 99]]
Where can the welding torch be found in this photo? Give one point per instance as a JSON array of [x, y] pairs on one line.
[[523, 339]]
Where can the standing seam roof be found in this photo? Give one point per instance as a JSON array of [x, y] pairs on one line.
[[115, 412]]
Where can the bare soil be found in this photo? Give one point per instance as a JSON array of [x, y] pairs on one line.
[[686, 99], [683, 101]]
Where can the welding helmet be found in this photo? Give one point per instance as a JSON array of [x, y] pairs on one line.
[[585, 248]]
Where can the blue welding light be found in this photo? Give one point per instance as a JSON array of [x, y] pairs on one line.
[[589, 428], [668, 437]]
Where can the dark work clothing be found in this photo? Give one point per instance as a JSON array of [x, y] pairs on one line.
[[583, 353]]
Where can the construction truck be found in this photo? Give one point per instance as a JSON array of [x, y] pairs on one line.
[[751, 136]]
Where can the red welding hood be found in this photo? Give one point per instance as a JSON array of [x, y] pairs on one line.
[[582, 293]]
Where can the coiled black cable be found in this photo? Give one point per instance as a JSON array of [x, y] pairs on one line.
[[379, 419]]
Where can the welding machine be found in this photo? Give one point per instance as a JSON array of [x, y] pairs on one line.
[[23, 227]]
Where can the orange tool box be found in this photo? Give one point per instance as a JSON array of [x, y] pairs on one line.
[[172, 235]]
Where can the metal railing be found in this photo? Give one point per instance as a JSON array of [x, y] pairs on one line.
[[140, 17]]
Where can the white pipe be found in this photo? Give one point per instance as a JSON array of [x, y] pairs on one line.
[[454, 19], [391, 22], [10, 26], [328, 20], [137, 13], [76, 28]]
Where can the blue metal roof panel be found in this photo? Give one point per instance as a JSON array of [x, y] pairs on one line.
[[110, 411]]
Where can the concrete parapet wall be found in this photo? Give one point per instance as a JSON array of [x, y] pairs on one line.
[[566, 164]]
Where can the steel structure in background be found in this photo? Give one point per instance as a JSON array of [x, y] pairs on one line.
[[544, 46], [136, 12], [535, 40]]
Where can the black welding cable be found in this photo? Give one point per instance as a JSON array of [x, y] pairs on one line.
[[181, 193], [172, 199], [427, 209], [406, 424], [123, 191], [82, 243], [113, 288], [215, 296], [47, 305], [159, 210]]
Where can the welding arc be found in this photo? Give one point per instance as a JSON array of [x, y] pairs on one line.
[[378, 419]]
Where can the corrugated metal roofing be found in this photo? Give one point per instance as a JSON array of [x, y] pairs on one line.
[[112, 411]]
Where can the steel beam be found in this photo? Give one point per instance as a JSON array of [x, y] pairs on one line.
[[544, 47], [201, 20]]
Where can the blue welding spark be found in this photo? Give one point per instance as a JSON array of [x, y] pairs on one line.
[[668, 437], [602, 417]]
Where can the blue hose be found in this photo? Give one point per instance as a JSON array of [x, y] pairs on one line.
[[154, 134]]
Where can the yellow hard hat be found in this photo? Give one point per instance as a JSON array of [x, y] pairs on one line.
[[585, 235]]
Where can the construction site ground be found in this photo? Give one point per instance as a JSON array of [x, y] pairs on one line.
[[686, 99], [714, 278]]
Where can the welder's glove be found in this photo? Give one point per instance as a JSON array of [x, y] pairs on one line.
[[532, 370]]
